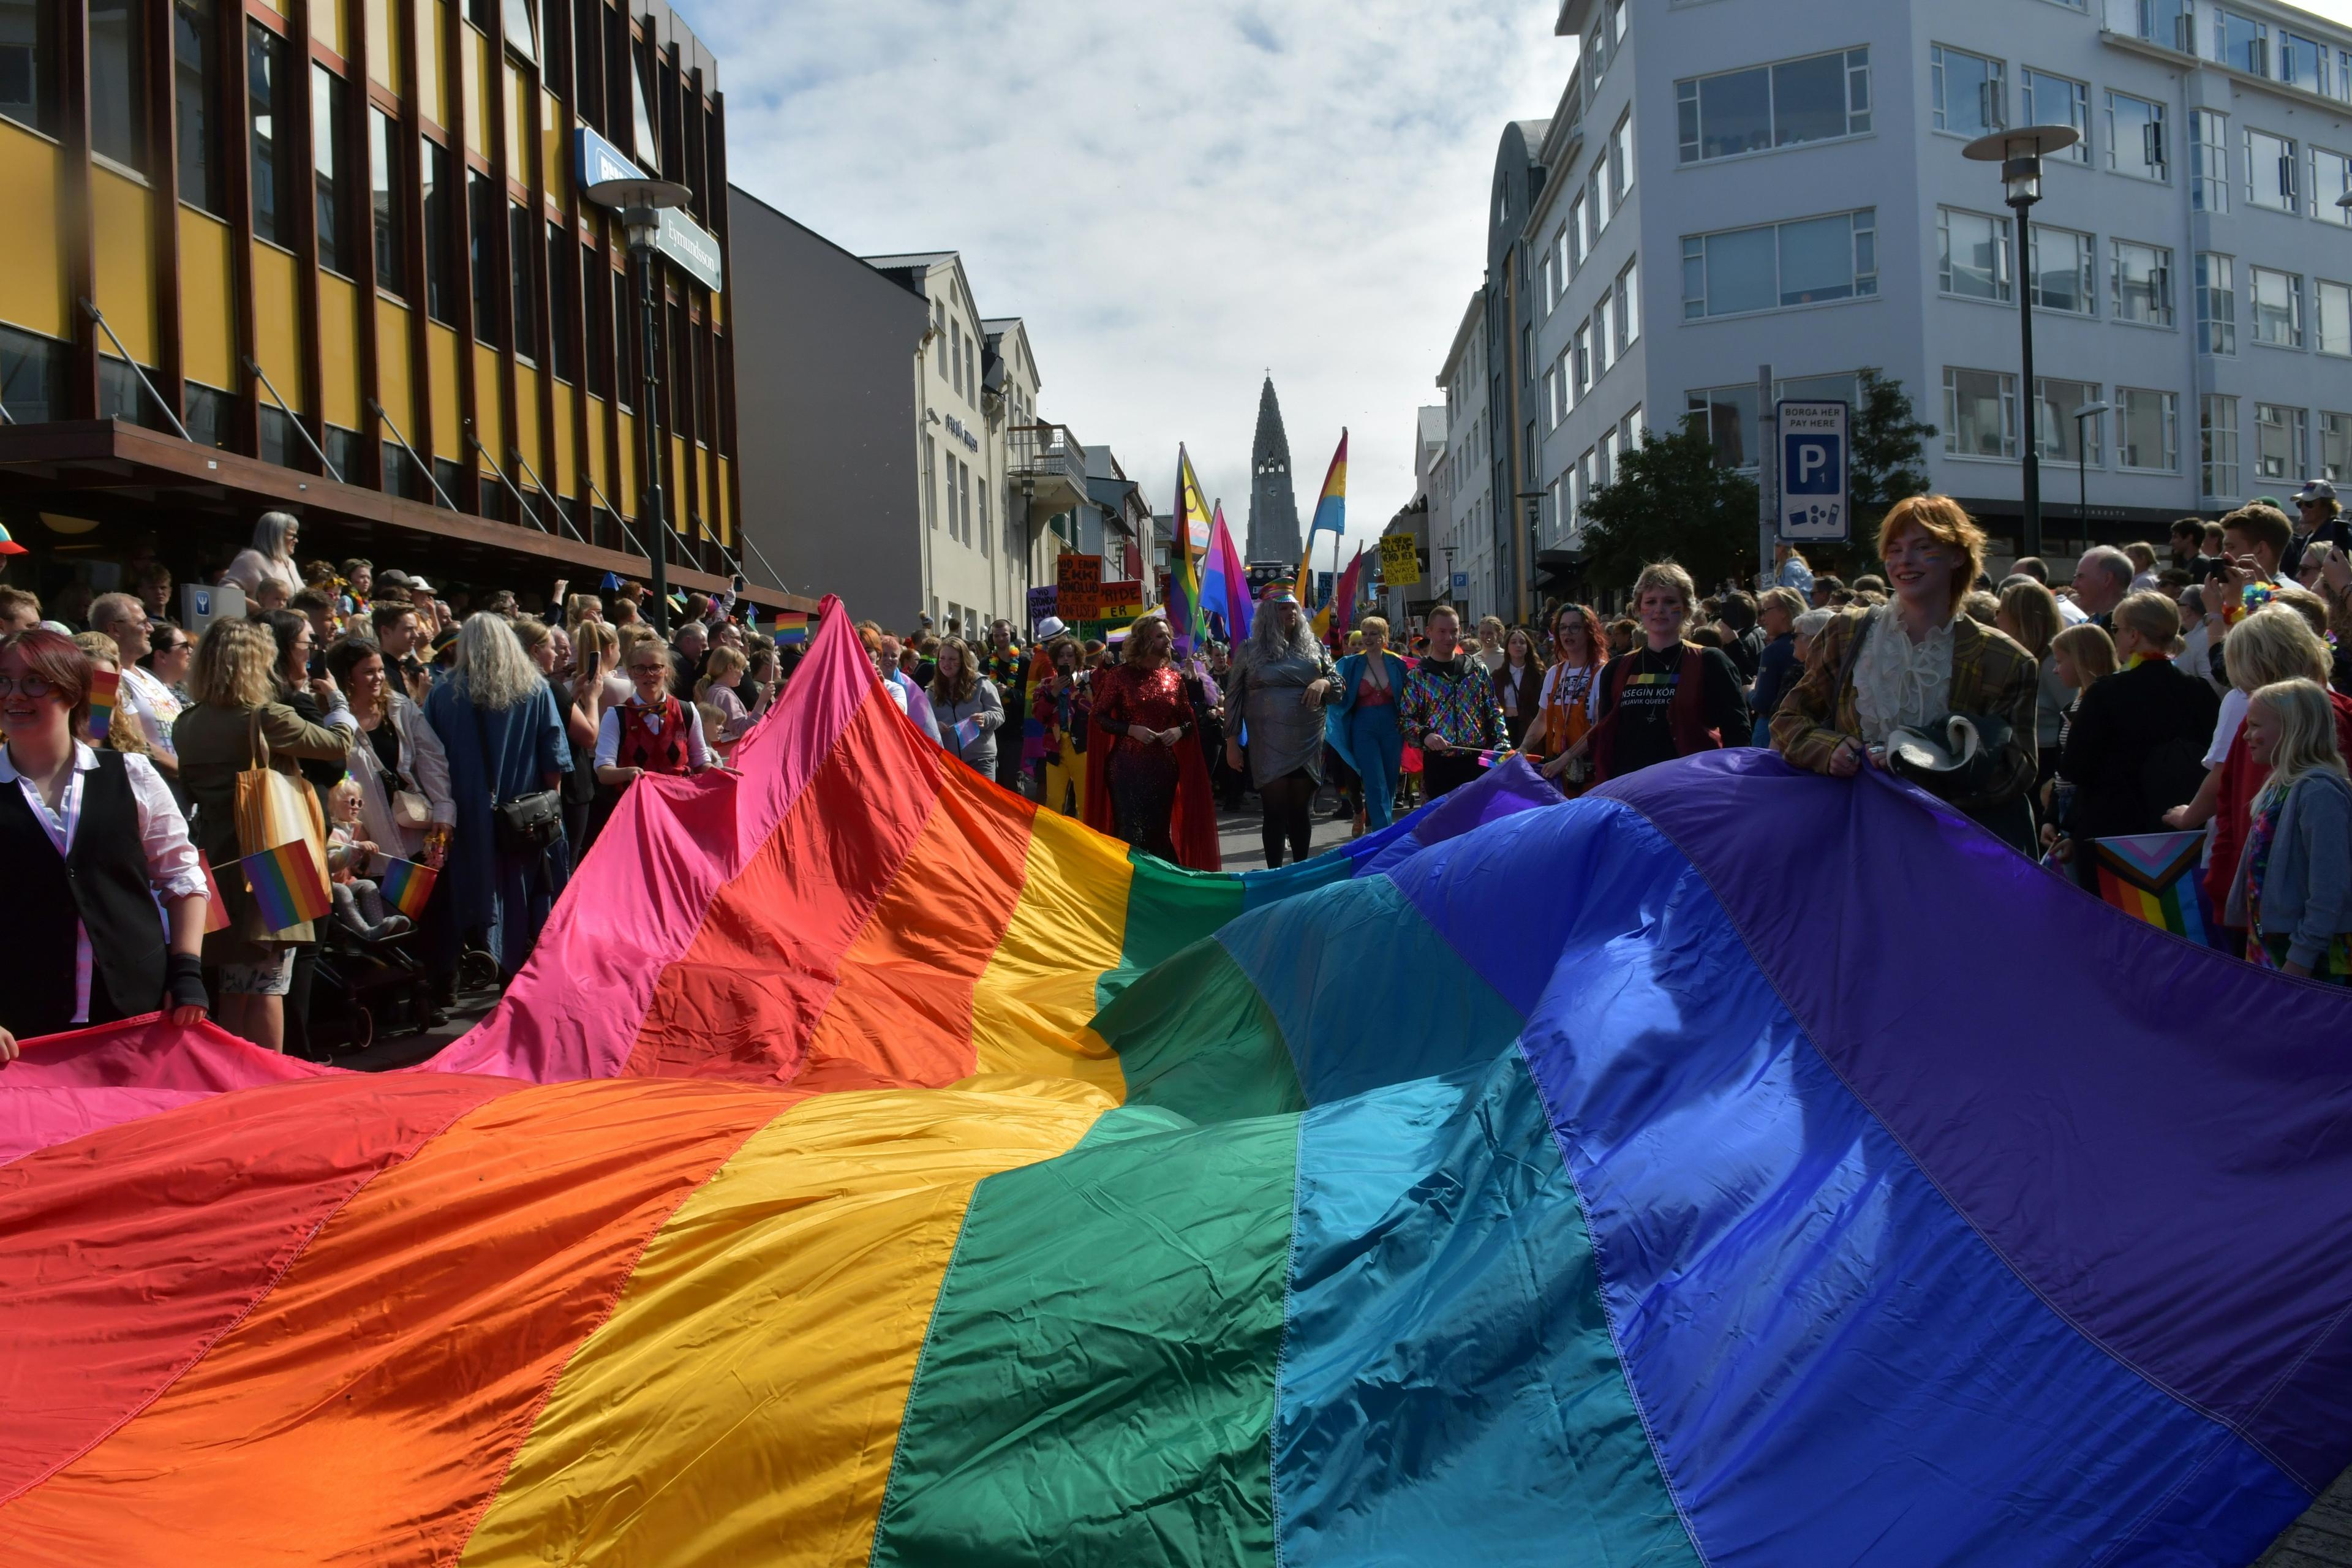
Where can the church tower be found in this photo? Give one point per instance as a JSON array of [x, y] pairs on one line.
[[1274, 505]]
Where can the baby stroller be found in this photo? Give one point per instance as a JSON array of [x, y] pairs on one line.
[[366, 987]]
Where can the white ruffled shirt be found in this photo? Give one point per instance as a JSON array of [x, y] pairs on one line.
[[1897, 683]]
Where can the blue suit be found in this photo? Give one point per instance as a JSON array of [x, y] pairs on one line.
[[1368, 738]]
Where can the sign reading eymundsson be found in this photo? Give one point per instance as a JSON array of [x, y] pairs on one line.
[[679, 237]]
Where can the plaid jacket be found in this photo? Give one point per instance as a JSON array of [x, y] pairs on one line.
[[1991, 673], [1464, 710]]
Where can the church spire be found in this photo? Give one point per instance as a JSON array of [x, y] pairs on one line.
[[1274, 504]]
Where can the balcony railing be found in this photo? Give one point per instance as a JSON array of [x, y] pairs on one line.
[[1049, 465]]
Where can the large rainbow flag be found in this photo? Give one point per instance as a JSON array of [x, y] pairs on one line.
[[869, 1168]]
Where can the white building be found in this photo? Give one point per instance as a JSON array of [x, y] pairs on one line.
[[1461, 497], [1726, 184]]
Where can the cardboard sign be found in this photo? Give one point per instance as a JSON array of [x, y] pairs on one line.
[[1077, 581], [1043, 603], [1400, 561], [1122, 600]]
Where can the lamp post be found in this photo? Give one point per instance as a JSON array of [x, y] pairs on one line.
[[640, 202], [2019, 154], [2082, 458]]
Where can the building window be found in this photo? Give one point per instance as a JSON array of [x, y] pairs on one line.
[[2209, 161], [329, 102], [269, 108], [2049, 99], [628, 372], [485, 213], [195, 73], [2141, 279], [2217, 447], [445, 474], [1727, 415], [563, 289], [2066, 266], [1580, 351], [2147, 429], [1576, 239], [2246, 43], [2277, 298], [1980, 413], [2335, 448], [440, 234], [522, 242], [28, 64], [121, 395], [2217, 304], [2331, 177], [980, 496], [1809, 261], [2271, 172], [597, 306], [2135, 138], [206, 415], [342, 449], [277, 439], [2279, 441], [1620, 161], [1601, 357], [522, 28], [1596, 191], [1629, 306], [1552, 408], [930, 481], [1971, 95], [2332, 316], [2059, 436], [2302, 63], [118, 83], [385, 187], [1974, 250]]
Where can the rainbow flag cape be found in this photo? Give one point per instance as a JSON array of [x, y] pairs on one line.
[[1224, 585], [870, 1169], [1186, 614], [105, 687], [407, 887], [1330, 515], [287, 884], [792, 628]]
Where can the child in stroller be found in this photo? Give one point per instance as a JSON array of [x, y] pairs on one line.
[[359, 903]]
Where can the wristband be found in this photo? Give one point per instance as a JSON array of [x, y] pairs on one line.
[[184, 980]]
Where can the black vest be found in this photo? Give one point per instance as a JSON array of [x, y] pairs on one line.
[[104, 880]]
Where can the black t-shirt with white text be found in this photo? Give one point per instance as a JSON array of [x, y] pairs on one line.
[[1645, 730]]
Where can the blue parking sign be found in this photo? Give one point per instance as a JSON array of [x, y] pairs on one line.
[[1815, 457]]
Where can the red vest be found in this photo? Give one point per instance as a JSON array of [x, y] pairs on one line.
[[641, 748]]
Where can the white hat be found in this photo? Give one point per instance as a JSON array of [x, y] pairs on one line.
[[420, 585], [1050, 627]]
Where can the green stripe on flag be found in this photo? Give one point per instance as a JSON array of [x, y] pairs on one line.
[[1168, 910], [1200, 1040], [1098, 1383]]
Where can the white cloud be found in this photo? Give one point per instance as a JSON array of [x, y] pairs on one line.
[[1177, 200]]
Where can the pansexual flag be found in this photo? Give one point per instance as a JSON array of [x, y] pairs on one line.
[[1224, 585], [286, 883], [2156, 878], [1306, 1217], [1330, 516], [407, 887], [105, 686], [792, 628]]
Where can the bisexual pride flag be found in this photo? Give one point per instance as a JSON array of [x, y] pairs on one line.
[[1224, 585], [105, 687], [407, 887], [287, 884], [871, 1167]]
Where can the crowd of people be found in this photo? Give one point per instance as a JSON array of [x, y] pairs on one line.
[[472, 748], [2205, 687]]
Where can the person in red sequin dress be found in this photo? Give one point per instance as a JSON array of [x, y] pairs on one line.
[[1146, 780]]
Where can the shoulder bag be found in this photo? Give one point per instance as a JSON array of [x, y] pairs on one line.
[[525, 823]]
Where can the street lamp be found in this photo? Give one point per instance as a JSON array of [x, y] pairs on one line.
[[2083, 457], [640, 202], [2019, 154]]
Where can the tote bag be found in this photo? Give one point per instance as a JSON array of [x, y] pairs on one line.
[[275, 810]]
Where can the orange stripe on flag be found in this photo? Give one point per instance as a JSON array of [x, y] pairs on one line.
[[367, 1408]]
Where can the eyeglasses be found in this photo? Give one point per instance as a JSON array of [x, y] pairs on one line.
[[645, 668], [31, 685]]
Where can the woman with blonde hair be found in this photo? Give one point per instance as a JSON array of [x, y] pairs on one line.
[[508, 857], [2134, 748], [2029, 616], [268, 559], [2292, 889], [1916, 662], [596, 661], [969, 708], [1667, 698], [721, 674], [239, 722]]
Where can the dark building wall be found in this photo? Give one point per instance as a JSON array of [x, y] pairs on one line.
[[825, 389]]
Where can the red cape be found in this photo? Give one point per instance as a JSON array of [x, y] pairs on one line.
[[1191, 827]]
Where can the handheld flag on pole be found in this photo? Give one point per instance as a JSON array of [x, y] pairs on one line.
[[407, 886], [1224, 586], [1330, 514], [1187, 616], [792, 628], [1343, 597]]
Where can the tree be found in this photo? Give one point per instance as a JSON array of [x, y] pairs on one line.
[[1670, 498], [1889, 453]]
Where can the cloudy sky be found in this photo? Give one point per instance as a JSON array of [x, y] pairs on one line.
[[1177, 198]]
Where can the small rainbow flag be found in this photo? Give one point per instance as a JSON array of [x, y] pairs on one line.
[[792, 628], [215, 908], [407, 887], [287, 884], [105, 686], [2154, 878]]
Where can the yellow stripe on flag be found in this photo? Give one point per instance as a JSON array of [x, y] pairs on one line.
[[1032, 1003], [742, 1404]]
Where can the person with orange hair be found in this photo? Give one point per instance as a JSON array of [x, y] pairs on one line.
[[1914, 662]]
